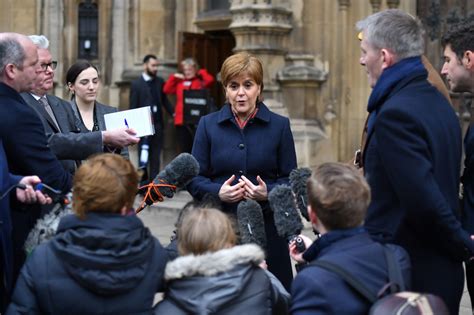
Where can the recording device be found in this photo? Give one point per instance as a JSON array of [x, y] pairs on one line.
[[250, 222], [287, 219], [177, 174], [298, 183]]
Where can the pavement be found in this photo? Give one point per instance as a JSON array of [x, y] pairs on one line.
[[161, 217]]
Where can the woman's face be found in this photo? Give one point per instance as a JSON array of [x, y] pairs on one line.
[[189, 71], [242, 93], [86, 85]]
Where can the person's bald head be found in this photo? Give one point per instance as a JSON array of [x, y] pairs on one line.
[[18, 61]]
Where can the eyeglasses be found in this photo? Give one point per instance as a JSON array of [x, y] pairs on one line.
[[52, 64]]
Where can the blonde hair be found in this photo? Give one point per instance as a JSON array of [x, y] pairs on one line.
[[339, 195], [104, 183], [204, 230]]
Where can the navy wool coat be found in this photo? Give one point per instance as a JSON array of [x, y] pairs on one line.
[[412, 164], [264, 147], [319, 291]]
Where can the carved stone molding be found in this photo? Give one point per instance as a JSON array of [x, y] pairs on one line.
[[260, 27], [344, 4], [375, 5], [299, 70], [393, 4]]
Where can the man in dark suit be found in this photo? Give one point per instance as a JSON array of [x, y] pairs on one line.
[[412, 157], [28, 195], [147, 90], [22, 133], [458, 69], [60, 124]]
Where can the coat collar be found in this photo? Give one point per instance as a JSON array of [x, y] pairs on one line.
[[213, 263], [10, 92], [263, 113]]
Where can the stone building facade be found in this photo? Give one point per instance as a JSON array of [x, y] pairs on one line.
[[309, 49]]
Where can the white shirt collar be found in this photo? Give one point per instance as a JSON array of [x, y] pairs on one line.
[[146, 77]]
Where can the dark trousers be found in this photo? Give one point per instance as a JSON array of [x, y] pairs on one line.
[[185, 137], [470, 281], [23, 222], [438, 274], [278, 256], [155, 144]]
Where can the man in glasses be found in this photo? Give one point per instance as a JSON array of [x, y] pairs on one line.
[[60, 124]]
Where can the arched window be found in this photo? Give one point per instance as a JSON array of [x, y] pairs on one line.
[[88, 30]]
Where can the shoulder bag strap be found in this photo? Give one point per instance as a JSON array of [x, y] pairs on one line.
[[350, 279], [394, 272]]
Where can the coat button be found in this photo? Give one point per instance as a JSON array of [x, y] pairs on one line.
[[241, 172], [241, 146]]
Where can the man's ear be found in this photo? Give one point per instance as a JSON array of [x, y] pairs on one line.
[[388, 58], [312, 215], [10, 71], [468, 59]]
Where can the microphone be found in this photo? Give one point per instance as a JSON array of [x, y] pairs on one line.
[[298, 183], [46, 227], [177, 174], [250, 223], [287, 219]]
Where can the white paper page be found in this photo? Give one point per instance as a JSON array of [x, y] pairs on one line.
[[139, 119]]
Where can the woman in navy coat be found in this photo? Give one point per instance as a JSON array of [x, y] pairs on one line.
[[244, 150]]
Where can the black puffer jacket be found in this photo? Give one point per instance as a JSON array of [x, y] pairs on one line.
[[105, 264], [225, 282]]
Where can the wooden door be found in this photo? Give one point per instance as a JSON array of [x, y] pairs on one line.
[[210, 50]]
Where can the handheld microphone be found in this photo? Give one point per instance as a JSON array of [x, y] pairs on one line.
[[177, 174], [287, 219], [298, 183], [251, 224]]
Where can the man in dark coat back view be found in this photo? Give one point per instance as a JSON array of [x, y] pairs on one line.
[[147, 90], [338, 197], [412, 157], [458, 69]]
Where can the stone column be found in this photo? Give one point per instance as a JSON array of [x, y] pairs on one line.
[[301, 86]]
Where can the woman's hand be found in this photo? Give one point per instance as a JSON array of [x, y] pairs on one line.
[[229, 193], [255, 192]]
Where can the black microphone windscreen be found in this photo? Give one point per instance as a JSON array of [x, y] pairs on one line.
[[287, 219], [298, 182], [179, 172], [251, 224]]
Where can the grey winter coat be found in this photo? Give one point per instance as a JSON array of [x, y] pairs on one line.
[[228, 282]]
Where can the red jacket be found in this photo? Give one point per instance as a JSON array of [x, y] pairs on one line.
[[176, 86]]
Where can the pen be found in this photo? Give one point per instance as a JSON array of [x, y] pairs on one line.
[[126, 123]]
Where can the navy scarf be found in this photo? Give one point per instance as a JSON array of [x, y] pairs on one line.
[[388, 80]]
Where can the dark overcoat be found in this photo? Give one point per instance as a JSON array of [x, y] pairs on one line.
[[104, 264], [265, 147], [412, 163], [316, 290]]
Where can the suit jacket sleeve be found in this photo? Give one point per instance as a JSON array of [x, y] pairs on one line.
[[286, 156], [202, 184], [406, 155], [165, 101], [134, 95]]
